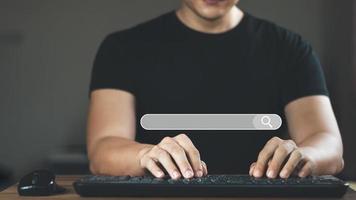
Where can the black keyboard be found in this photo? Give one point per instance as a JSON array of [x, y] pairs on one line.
[[210, 186]]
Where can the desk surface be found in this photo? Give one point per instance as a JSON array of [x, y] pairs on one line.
[[67, 180]]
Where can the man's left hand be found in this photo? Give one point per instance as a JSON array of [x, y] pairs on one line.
[[281, 158]]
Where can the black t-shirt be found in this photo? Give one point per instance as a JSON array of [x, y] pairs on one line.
[[256, 67]]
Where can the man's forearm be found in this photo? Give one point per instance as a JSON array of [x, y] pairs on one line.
[[325, 150], [117, 156]]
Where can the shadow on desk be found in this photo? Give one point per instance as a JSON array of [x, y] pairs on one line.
[[6, 177]]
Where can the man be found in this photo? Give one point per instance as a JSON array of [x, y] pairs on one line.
[[210, 57]]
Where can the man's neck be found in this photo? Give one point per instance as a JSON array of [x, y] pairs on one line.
[[219, 25]]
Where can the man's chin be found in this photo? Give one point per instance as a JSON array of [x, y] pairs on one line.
[[211, 16]]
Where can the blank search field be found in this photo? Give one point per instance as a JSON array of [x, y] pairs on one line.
[[211, 121]]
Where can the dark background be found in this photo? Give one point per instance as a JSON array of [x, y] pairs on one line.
[[47, 49]]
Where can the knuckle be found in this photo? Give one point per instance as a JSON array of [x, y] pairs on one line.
[[166, 139], [289, 143], [282, 150], [177, 151], [182, 136], [284, 145], [276, 139], [273, 141], [162, 153], [155, 148], [270, 141], [292, 142]]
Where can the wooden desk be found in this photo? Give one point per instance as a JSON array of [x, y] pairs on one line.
[[66, 181]]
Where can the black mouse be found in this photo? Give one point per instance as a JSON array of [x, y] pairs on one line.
[[39, 183]]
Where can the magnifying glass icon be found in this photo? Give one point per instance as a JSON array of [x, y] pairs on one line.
[[266, 121]]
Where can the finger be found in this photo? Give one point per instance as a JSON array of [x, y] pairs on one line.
[[192, 153], [252, 167], [279, 157], [179, 156], [306, 170], [152, 167], [293, 161], [264, 155], [166, 161], [205, 168]]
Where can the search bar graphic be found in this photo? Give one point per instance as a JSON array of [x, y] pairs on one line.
[[211, 121]]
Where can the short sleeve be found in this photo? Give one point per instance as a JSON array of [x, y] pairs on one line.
[[111, 69], [302, 72]]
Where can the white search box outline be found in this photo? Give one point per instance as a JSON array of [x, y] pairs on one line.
[[211, 121]]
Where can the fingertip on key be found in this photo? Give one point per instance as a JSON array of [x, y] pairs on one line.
[[199, 173], [189, 173], [283, 174], [159, 174], [257, 173], [270, 174], [175, 175]]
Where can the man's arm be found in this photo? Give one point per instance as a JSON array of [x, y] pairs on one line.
[[313, 127], [111, 130], [113, 151], [315, 148]]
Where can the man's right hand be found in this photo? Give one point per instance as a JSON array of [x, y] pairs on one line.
[[176, 155]]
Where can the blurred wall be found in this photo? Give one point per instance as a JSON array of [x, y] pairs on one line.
[[47, 49]]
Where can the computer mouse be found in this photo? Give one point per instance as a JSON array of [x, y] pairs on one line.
[[39, 183]]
